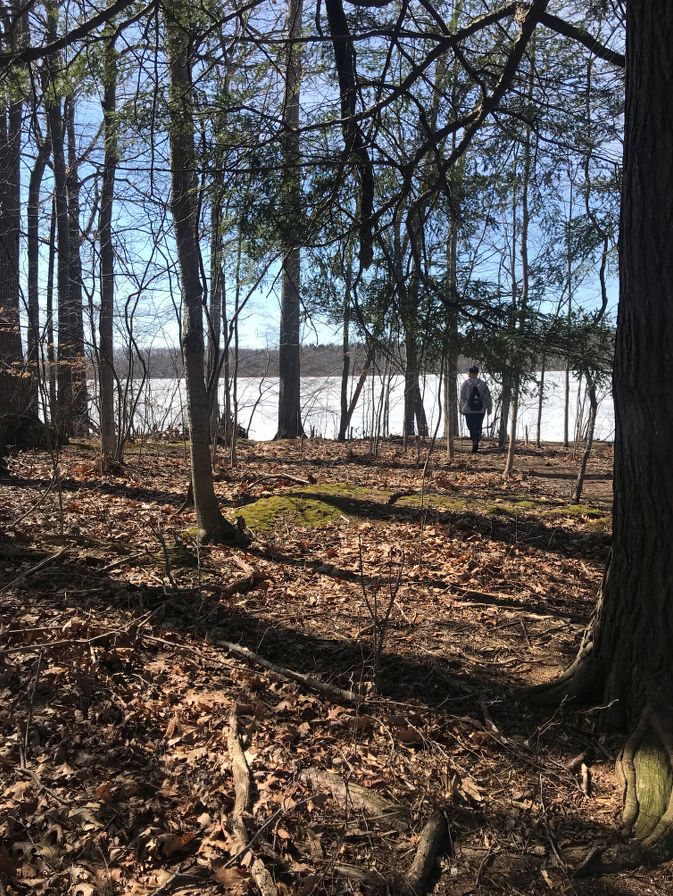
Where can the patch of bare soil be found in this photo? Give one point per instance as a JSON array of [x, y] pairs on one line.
[[307, 716]]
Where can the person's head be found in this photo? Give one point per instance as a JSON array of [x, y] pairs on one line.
[[473, 371]]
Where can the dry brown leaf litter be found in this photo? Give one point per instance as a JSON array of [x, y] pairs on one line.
[[116, 696]]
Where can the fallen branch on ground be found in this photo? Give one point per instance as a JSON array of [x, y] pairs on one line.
[[241, 773], [347, 793], [287, 476], [29, 572], [312, 684], [433, 837], [242, 586]]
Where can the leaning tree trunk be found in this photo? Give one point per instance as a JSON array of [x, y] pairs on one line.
[[626, 662], [33, 253], [212, 526], [591, 428]]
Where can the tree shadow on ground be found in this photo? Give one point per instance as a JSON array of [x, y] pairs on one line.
[[512, 844]]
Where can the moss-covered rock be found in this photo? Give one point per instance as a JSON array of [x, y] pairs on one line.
[[294, 509]]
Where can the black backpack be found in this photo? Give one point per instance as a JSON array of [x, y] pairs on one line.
[[474, 402]]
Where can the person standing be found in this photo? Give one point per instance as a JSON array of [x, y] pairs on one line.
[[475, 402]]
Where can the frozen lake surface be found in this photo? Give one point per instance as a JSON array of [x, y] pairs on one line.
[[163, 404]]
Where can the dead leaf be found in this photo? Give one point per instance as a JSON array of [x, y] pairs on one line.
[[104, 793], [179, 843], [232, 879]]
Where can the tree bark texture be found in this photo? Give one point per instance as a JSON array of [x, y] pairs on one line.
[[107, 292], [289, 397], [33, 253], [211, 524], [79, 422], [13, 391], [627, 658]]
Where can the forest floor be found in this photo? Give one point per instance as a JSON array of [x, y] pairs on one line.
[[122, 697]]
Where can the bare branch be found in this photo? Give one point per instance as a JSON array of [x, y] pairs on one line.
[[583, 37]]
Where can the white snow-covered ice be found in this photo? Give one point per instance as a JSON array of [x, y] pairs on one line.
[[163, 404]]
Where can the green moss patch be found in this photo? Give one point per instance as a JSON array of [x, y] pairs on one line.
[[435, 501], [576, 510], [295, 510], [345, 490], [500, 510]]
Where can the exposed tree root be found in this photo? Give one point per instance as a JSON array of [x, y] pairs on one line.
[[645, 772], [580, 681], [189, 499], [241, 837], [235, 535]]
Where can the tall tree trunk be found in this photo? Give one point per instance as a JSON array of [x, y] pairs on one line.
[[626, 660], [346, 367], [67, 348], [452, 340], [51, 339], [212, 526], [523, 305], [80, 418], [215, 319], [289, 395], [107, 291], [591, 428], [33, 251], [346, 420], [540, 403], [14, 394], [566, 405]]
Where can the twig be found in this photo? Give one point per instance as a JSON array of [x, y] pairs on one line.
[[41, 786], [179, 879], [131, 559], [47, 645], [37, 504], [30, 707], [29, 572], [313, 684], [287, 476], [548, 831], [166, 560]]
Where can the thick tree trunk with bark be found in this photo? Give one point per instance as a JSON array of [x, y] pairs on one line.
[[289, 397], [79, 422], [212, 525], [13, 392], [107, 292], [626, 660]]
